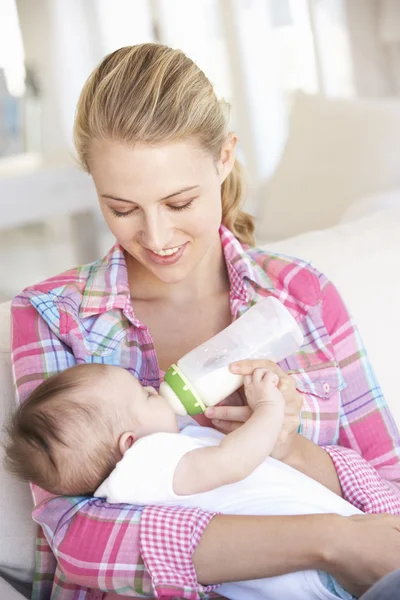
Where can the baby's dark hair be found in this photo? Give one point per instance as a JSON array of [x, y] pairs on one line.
[[48, 441]]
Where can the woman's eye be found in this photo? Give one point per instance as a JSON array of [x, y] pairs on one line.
[[181, 206], [118, 213]]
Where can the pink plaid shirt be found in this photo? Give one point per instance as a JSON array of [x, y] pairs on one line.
[[90, 550]]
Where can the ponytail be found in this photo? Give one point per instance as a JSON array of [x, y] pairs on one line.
[[240, 223]]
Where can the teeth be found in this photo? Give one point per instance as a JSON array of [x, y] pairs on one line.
[[167, 252]]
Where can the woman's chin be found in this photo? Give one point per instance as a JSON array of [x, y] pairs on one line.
[[169, 270], [171, 275]]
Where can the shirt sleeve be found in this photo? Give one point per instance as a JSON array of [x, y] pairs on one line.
[[146, 472], [170, 564], [361, 484], [97, 545], [366, 424]]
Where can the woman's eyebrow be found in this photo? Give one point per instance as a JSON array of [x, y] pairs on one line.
[[188, 189]]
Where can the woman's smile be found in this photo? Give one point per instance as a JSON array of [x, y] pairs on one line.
[[167, 257]]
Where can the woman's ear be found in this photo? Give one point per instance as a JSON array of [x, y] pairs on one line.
[[227, 156], [126, 440]]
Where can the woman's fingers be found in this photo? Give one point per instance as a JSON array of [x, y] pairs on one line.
[[228, 418], [238, 414], [227, 426], [247, 379], [246, 367]]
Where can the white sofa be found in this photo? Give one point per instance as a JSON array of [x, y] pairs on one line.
[[337, 151], [362, 257]]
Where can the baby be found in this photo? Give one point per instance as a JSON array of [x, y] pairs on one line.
[[94, 429]]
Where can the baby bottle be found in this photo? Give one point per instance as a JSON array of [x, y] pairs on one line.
[[202, 378]]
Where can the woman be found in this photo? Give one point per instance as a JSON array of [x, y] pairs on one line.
[[153, 136]]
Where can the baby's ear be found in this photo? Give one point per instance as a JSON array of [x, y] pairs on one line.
[[126, 440]]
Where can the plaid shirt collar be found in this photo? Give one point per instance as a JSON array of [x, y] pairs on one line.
[[110, 274], [108, 281]]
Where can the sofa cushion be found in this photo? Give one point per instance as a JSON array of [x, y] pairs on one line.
[[337, 151], [362, 258], [17, 530], [371, 203]]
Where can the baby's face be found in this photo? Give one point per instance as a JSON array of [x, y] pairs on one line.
[[140, 408]]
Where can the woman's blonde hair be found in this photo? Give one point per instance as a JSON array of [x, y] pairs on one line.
[[153, 94]]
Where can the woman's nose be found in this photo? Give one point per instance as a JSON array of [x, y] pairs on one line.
[[155, 232]]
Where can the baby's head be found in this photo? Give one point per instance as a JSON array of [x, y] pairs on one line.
[[73, 429]]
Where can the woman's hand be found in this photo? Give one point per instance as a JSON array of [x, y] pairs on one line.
[[228, 418], [364, 548]]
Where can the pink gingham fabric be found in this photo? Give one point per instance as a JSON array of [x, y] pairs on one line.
[[358, 478], [90, 550], [169, 555]]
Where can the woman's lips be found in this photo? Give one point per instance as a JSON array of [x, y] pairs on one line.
[[166, 260]]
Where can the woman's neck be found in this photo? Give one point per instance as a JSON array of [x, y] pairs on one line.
[[208, 278]]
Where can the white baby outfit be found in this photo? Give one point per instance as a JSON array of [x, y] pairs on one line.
[[145, 476]]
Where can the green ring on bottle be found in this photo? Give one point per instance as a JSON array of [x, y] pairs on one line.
[[181, 386]]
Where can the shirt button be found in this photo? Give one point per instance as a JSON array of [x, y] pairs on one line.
[[327, 387]]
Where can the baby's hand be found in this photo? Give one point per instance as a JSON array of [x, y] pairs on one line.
[[261, 389]]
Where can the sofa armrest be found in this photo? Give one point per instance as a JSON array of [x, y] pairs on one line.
[[7, 592]]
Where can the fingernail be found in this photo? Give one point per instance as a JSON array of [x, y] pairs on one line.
[[235, 367], [209, 412], [216, 422]]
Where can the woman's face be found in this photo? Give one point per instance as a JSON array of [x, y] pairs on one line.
[[162, 203]]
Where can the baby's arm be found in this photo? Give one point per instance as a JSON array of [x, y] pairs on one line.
[[241, 451]]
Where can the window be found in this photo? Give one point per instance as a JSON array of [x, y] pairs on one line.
[[12, 81]]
